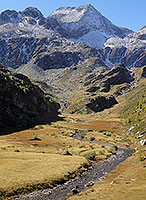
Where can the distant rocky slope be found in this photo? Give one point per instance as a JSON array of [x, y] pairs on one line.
[[23, 104], [24, 43], [130, 50], [88, 83], [98, 89]]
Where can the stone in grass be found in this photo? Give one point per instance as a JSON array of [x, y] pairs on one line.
[[66, 153], [75, 190], [36, 138], [91, 183], [143, 142]]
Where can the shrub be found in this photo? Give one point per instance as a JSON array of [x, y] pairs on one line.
[[90, 130], [102, 131], [113, 149], [3, 148], [90, 156], [91, 147], [137, 118], [108, 134], [82, 136], [144, 109], [85, 165], [92, 138], [128, 120], [16, 150], [82, 146], [101, 152]]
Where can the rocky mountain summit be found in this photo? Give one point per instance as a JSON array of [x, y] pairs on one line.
[[30, 15], [23, 104], [59, 40], [84, 24]]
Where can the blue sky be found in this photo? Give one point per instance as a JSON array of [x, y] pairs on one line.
[[125, 13]]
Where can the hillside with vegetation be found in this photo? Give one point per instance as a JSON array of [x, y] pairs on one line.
[[23, 104]]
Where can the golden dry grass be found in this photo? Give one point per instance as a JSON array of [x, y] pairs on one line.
[[19, 169]]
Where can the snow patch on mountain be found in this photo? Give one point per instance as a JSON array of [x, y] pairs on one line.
[[94, 39], [69, 14]]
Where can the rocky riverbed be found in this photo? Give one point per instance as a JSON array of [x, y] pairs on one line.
[[96, 172]]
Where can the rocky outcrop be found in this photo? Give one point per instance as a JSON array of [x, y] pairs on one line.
[[101, 102], [23, 104], [116, 75]]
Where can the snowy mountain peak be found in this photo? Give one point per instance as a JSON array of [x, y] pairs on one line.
[[84, 24], [73, 14]]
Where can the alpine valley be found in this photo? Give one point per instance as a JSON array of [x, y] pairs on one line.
[[72, 94]]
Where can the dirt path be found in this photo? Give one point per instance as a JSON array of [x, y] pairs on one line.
[[96, 172]]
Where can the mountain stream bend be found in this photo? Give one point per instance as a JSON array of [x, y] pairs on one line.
[[96, 172]]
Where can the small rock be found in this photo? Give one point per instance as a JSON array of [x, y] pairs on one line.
[[137, 132], [75, 191], [133, 179], [66, 153], [90, 184], [143, 142], [132, 127]]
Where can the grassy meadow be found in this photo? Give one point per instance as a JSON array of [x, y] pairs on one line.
[[33, 157]]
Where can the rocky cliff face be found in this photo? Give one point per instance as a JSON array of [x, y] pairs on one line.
[[130, 50], [101, 102], [23, 104], [144, 72]]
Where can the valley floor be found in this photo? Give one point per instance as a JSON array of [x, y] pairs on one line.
[[33, 159]]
